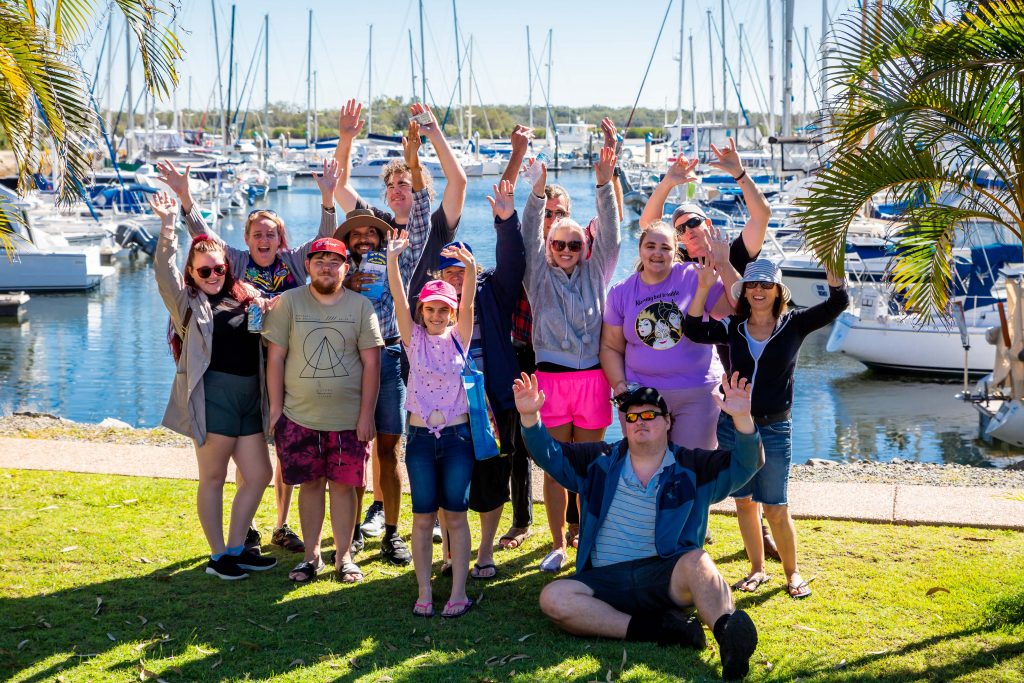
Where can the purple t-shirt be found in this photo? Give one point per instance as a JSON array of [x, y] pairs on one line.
[[651, 318]]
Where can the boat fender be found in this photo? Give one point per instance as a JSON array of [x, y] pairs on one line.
[[992, 335]]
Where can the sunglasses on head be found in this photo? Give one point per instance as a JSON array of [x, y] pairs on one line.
[[755, 285], [690, 224], [267, 211], [561, 245], [557, 213], [645, 415], [205, 271]]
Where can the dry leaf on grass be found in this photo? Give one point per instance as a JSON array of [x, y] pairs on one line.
[[48, 507], [217, 663], [99, 605], [801, 627], [296, 662], [256, 623], [143, 560], [69, 549], [290, 617], [23, 643], [523, 639]]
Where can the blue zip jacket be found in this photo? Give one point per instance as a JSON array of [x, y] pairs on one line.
[[497, 292], [698, 479]]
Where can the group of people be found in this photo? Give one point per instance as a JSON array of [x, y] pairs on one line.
[[392, 334]]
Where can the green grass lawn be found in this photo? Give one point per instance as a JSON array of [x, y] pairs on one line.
[[101, 579]]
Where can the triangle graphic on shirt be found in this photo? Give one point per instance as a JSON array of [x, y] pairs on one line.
[[324, 362]]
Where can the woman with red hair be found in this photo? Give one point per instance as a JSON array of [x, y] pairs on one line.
[[218, 396]]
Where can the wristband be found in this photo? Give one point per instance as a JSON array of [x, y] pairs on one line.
[[740, 176]]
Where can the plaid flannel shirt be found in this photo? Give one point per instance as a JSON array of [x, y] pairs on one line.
[[522, 321], [419, 230]]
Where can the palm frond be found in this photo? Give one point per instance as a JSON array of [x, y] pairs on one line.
[[158, 45]]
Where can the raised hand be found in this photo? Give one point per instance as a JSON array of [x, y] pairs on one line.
[[737, 396], [169, 176], [682, 171], [465, 257], [835, 280], [728, 160], [718, 247], [350, 120], [411, 145], [521, 137], [605, 166], [529, 398], [328, 180], [398, 241], [608, 128], [503, 203], [706, 275], [164, 206], [431, 128]]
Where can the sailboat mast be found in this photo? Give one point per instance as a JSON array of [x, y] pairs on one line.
[[174, 95], [787, 66], [412, 67], [711, 67], [725, 89], [266, 75], [807, 77], [423, 60], [231, 70], [529, 74], [369, 87], [458, 70], [550, 119], [693, 104], [771, 71], [469, 113], [824, 54], [316, 114], [679, 91], [130, 122], [110, 70], [220, 81], [739, 83], [309, 79]]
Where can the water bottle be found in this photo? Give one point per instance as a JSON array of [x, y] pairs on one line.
[[532, 172]]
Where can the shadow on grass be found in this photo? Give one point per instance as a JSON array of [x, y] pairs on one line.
[[176, 620]]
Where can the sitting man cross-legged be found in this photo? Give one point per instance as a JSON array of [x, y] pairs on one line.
[[644, 511]]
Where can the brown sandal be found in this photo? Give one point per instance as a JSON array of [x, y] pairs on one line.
[[515, 537]]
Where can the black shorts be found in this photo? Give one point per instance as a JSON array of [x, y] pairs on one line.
[[634, 587], [489, 487]]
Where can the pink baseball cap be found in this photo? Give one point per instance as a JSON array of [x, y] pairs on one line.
[[439, 290]]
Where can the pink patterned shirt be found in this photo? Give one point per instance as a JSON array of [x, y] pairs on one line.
[[435, 377]]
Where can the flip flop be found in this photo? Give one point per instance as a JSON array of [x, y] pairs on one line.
[[798, 591], [463, 607], [553, 562], [307, 570], [515, 537], [751, 583], [348, 571], [446, 569], [572, 536], [423, 609], [475, 572]]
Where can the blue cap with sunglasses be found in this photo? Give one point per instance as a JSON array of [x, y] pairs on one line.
[[451, 262]]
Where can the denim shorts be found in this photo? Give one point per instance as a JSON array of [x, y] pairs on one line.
[[389, 415], [634, 587], [440, 470], [233, 404], [770, 486]]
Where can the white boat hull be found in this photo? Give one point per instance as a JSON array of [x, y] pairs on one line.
[[899, 344], [53, 271]]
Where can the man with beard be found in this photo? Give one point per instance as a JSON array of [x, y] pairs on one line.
[[322, 378], [408, 192]]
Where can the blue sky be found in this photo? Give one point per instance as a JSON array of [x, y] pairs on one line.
[[599, 50]]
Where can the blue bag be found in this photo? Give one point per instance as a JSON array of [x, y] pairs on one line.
[[481, 419]]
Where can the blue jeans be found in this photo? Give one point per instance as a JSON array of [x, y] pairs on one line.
[[389, 415], [770, 486], [440, 470]]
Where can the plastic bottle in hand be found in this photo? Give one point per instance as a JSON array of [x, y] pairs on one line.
[[532, 172]]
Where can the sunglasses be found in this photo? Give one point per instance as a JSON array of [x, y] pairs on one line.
[[561, 245], [557, 213], [205, 271], [755, 285], [645, 415], [267, 211], [690, 224]]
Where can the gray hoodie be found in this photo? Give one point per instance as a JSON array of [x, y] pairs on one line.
[[568, 309]]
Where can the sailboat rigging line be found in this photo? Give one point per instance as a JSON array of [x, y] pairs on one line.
[[536, 73], [732, 77], [103, 132], [657, 40], [330, 62], [476, 86], [448, 110], [395, 53], [751, 63], [257, 51], [547, 103], [437, 54], [807, 75]]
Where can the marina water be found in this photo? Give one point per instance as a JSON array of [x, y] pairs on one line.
[[103, 354]]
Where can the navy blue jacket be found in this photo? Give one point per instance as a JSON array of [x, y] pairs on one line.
[[696, 480], [497, 292]]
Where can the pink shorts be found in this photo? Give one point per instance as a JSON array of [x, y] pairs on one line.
[[306, 454], [582, 398]]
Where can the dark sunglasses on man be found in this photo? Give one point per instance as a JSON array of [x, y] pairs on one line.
[[692, 223], [561, 245], [645, 415], [205, 271], [557, 213]]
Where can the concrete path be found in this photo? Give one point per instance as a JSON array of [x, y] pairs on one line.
[[883, 503]]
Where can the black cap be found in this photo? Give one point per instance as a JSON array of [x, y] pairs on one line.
[[642, 396]]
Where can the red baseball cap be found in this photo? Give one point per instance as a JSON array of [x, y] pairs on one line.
[[439, 290], [329, 245]]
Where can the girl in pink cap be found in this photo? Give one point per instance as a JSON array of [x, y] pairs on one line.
[[439, 445]]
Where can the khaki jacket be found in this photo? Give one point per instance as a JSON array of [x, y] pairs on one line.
[[186, 408]]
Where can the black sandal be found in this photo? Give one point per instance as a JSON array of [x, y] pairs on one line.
[[308, 570]]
